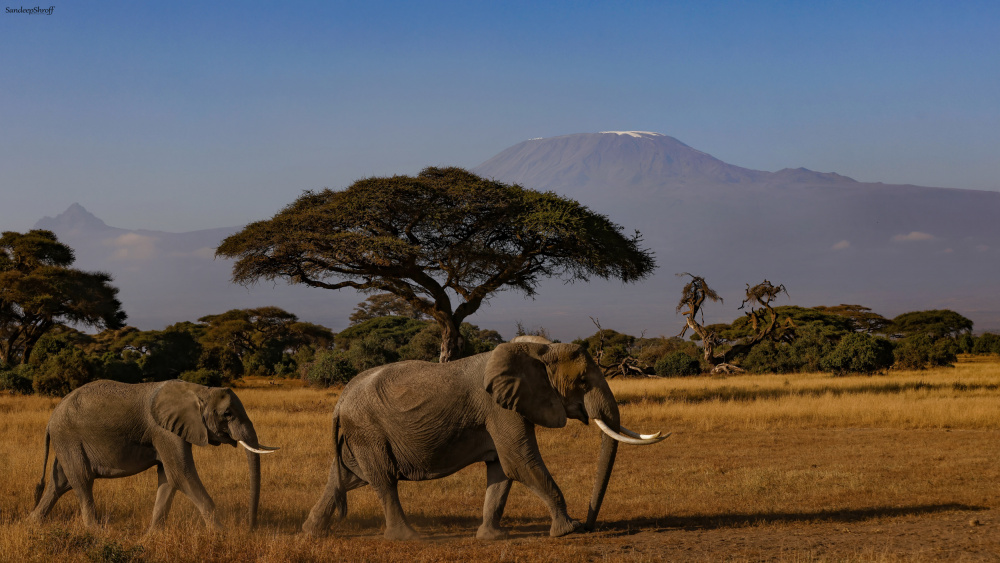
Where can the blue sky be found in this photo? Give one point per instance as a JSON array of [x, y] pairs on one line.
[[181, 115]]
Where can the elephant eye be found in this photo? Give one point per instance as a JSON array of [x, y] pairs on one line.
[[227, 414]]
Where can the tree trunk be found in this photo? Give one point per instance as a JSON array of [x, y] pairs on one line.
[[451, 340]]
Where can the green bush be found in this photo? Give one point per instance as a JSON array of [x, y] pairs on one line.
[[370, 352], [810, 346], [223, 360], [394, 332], [677, 363], [262, 362], [987, 343], [63, 372], [922, 351], [859, 353], [329, 368], [770, 357], [208, 377], [17, 379], [650, 350], [116, 369]]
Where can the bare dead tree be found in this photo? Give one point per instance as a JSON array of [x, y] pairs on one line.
[[628, 366], [761, 316]]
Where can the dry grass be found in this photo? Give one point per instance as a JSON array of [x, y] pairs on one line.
[[799, 468]]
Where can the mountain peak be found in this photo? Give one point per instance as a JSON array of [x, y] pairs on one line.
[[638, 134], [75, 217], [610, 159]]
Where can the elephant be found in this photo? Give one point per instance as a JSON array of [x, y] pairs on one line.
[[416, 421], [106, 429]]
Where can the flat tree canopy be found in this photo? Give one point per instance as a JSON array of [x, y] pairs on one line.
[[39, 290], [444, 232]]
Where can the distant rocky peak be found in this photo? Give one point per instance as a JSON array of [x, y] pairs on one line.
[[74, 218]]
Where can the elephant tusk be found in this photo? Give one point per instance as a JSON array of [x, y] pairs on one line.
[[628, 439], [633, 434], [259, 449]]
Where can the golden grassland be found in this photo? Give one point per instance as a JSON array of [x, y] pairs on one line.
[[804, 467]]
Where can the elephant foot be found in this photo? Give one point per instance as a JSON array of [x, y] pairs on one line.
[[403, 532], [315, 529], [492, 532], [564, 526], [35, 518]]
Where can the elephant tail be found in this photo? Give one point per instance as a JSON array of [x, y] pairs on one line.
[[340, 498], [40, 487]]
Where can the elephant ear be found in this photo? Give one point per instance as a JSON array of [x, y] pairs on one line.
[[518, 380], [177, 408]]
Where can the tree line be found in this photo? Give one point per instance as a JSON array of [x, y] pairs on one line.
[[429, 250]]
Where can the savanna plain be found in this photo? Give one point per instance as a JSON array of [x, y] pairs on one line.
[[805, 467]]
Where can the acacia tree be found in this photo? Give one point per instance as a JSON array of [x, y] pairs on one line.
[[446, 232], [862, 318], [39, 290], [761, 316]]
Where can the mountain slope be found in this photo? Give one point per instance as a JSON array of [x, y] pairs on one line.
[[829, 238]]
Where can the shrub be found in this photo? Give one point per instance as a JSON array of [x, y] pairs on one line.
[[395, 330], [208, 377], [770, 357], [987, 343], [63, 372], [116, 369], [810, 346], [859, 353], [17, 379], [616, 345], [262, 362], [370, 352], [677, 363], [223, 360], [922, 351], [651, 350], [329, 368]]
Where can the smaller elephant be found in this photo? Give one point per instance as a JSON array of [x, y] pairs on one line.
[[106, 429]]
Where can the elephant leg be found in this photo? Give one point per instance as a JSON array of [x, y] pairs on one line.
[[80, 477], [164, 497], [182, 474], [85, 492], [55, 488], [497, 488], [541, 483], [525, 461], [396, 526], [334, 499]]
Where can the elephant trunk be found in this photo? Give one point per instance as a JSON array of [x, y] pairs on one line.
[[247, 437], [253, 462], [601, 405]]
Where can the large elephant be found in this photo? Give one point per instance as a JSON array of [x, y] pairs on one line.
[[106, 429], [415, 420]]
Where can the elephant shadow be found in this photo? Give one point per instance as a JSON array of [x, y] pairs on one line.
[[739, 520]]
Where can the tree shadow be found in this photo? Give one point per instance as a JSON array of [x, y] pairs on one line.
[[740, 520]]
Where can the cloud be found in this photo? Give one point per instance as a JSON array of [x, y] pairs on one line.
[[913, 237], [132, 247], [842, 245]]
